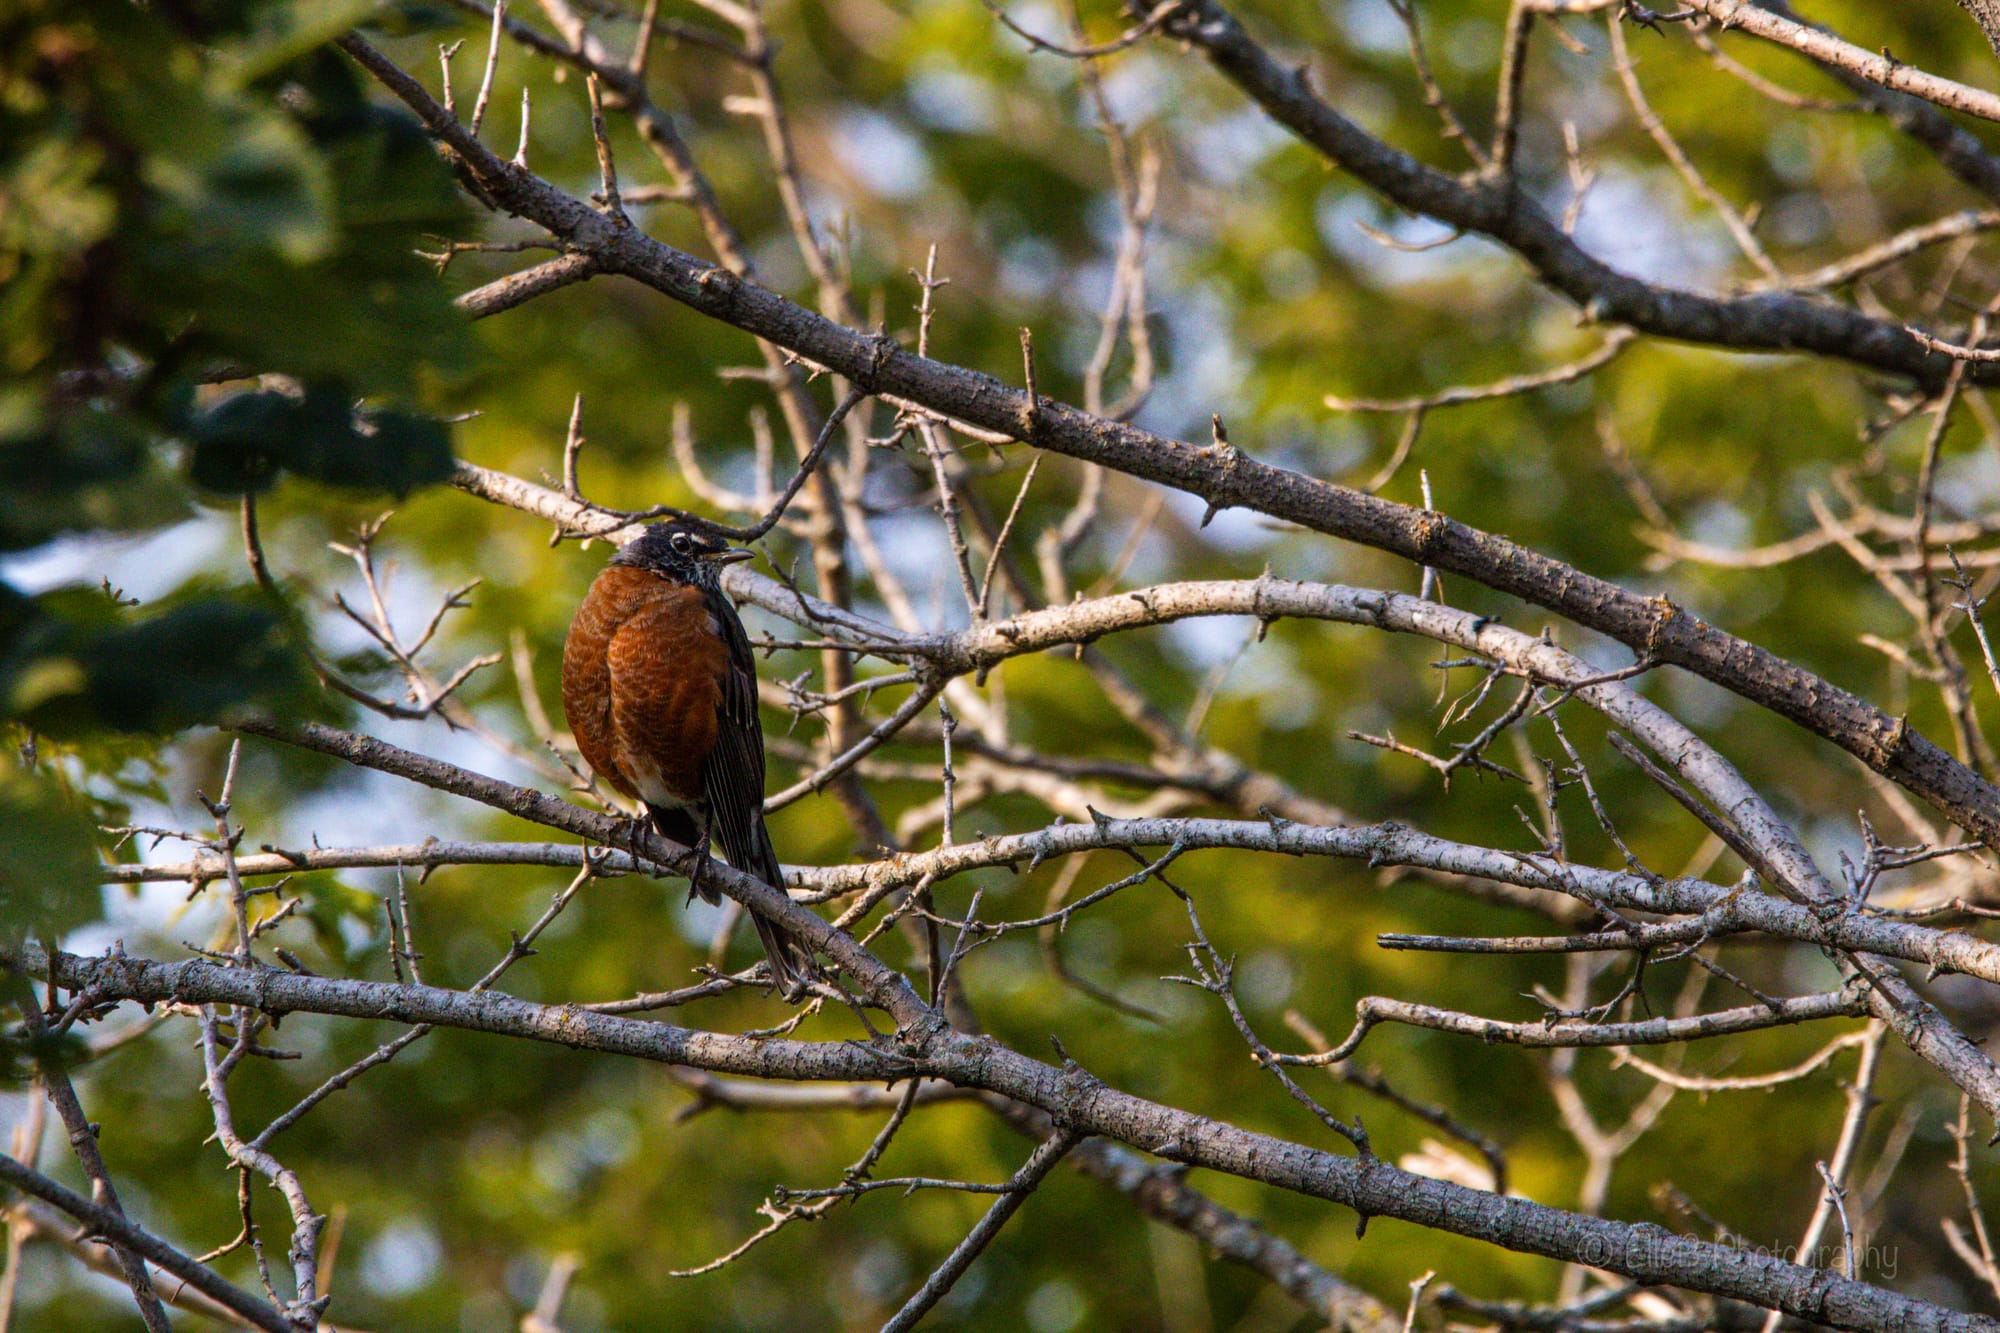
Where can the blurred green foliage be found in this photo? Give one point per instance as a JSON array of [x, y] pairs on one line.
[[196, 193], [191, 196], [48, 860]]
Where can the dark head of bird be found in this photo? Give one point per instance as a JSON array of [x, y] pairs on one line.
[[686, 550]]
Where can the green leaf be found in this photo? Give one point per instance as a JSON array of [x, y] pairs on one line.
[[264, 211], [207, 658], [49, 866], [286, 33], [84, 468], [251, 181], [245, 441]]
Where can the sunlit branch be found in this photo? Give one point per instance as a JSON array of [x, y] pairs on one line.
[[1079, 1103]]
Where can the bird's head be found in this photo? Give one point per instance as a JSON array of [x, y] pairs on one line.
[[686, 550]]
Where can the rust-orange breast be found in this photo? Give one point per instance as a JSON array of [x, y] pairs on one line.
[[643, 670]]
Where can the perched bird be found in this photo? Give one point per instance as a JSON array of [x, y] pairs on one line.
[[660, 689]]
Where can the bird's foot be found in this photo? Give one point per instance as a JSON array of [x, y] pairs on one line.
[[638, 828], [698, 884]]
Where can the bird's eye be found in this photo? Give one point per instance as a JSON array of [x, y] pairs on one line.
[[681, 543]]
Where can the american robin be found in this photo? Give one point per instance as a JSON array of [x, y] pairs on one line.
[[660, 689]]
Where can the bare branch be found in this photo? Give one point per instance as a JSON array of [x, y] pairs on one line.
[[1890, 746], [953, 1268], [1880, 68], [1375, 1010], [1081, 1104]]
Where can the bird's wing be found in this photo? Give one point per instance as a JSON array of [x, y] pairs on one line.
[[733, 784], [733, 777]]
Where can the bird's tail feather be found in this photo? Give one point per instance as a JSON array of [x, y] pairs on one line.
[[792, 965]]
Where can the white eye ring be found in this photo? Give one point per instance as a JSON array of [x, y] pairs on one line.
[[681, 543]]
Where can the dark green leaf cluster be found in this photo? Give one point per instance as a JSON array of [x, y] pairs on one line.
[[207, 282], [244, 442], [48, 865], [75, 663], [196, 195]]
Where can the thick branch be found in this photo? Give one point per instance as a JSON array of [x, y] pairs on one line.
[[1076, 1102], [886, 988], [1876, 67], [1226, 477], [114, 1227], [1776, 844], [1721, 910], [1496, 205]]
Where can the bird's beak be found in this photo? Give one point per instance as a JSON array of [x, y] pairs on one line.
[[735, 555]]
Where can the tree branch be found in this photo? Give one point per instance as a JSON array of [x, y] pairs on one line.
[[114, 1227], [1076, 1101], [1227, 477]]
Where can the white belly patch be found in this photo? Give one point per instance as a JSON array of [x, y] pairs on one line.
[[646, 781]]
